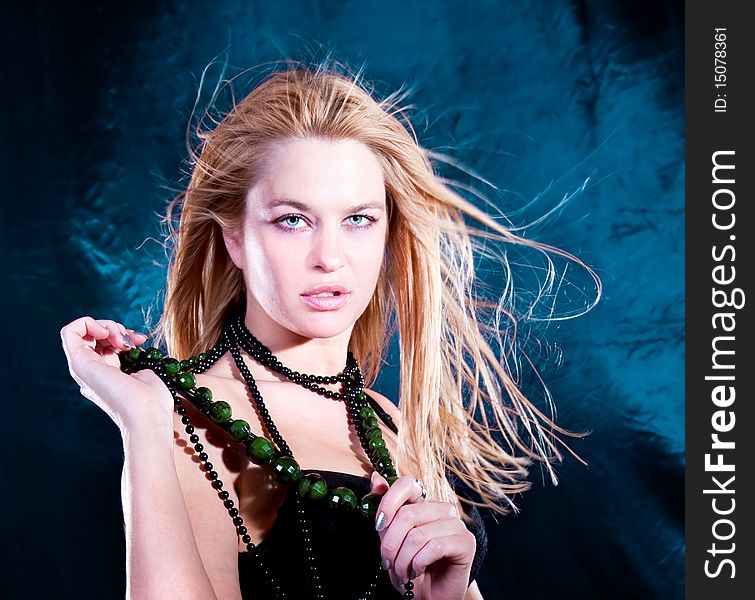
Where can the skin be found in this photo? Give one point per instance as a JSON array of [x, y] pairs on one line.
[[288, 249], [285, 250]]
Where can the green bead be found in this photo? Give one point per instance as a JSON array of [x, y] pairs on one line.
[[383, 463], [172, 366], [134, 354], [313, 486], [186, 380], [239, 430], [376, 443], [154, 354], [185, 365], [193, 361], [392, 479], [362, 397], [368, 505], [373, 432], [260, 450], [380, 452], [389, 472], [370, 422], [203, 396], [202, 356], [286, 469], [220, 411], [342, 498]]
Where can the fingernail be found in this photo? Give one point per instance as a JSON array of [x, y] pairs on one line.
[[380, 521], [127, 341], [386, 564]]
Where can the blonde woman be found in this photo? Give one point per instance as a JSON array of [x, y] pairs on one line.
[[258, 461]]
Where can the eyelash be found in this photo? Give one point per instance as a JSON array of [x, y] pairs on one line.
[[280, 222]]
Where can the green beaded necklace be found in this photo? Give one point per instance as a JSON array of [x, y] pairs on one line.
[[179, 377]]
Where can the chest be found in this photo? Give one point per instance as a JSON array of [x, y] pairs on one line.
[[317, 430]]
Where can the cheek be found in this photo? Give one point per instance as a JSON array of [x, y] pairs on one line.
[[371, 257], [272, 275]]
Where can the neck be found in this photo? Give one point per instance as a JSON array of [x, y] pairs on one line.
[[313, 356]]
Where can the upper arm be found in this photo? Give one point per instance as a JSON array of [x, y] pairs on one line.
[[213, 528]]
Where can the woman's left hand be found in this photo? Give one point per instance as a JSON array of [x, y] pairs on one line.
[[423, 540]]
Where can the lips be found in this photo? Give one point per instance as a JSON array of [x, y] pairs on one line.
[[326, 291], [326, 297]]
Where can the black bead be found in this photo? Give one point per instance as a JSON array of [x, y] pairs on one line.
[[190, 429], [229, 503], [213, 475], [208, 466], [408, 595], [242, 530], [217, 484], [234, 512], [238, 521], [203, 456], [198, 447], [181, 410], [185, 420], [246, 538]]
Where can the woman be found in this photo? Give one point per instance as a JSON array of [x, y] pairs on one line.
[[313, 227]]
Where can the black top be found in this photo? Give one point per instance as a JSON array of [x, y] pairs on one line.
[[346, 545]]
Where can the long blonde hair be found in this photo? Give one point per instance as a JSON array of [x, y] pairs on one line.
[[461, 410]]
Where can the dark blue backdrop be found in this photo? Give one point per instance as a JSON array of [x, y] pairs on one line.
[[536, 97]]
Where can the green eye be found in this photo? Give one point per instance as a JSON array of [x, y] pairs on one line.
[[361, 221], [291, 222]]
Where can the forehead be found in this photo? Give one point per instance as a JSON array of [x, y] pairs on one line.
[[321, 174]]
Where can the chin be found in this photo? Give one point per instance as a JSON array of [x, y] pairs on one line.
[[323, 325]]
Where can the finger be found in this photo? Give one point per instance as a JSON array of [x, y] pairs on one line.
[[458, 548], [379, 484], [404, 489], [117, 338], [407, 528], [137, 337], [76, 332]]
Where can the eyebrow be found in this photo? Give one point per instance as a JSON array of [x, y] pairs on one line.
[[305, 207]]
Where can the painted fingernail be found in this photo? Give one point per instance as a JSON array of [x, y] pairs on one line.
[[127, 340], [380, 522], [386, 564]]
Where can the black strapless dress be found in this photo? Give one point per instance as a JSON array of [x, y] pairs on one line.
[[346, 545]]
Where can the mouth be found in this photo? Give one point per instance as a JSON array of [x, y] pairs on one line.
[[326, 297], [326, 291]]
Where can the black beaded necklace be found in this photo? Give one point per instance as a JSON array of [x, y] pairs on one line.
[[179, 377]]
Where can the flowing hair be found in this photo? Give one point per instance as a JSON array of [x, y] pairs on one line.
[[462, 412]]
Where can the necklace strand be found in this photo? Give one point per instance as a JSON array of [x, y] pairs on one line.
[[179, 378]]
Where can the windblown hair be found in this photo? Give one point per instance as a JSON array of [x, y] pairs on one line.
[[461, 410]]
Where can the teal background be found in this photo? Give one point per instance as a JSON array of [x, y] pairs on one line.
[[543, 99]]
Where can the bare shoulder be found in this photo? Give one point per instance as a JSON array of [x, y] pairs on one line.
[[387, 406]]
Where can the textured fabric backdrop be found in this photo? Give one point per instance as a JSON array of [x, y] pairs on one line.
[[543, 99]]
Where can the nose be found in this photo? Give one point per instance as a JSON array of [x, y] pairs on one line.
[[327, 251]]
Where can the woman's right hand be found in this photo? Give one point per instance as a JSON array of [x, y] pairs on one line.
[[130, 400]]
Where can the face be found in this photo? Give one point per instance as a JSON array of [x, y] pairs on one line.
[[313, 238]]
